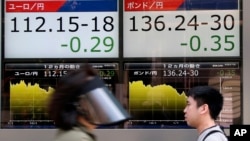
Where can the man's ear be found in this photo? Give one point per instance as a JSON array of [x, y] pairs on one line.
[[204, 109]]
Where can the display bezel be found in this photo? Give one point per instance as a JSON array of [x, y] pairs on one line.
[[121, 60]]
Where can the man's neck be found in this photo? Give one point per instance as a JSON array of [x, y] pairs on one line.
[[206, 125]]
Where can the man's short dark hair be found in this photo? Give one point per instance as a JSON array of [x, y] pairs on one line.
[[210, 96]]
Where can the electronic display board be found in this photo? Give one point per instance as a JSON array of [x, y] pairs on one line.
[[29, 86], [61, 29], [157, 96], [168, 28], [149, 53]]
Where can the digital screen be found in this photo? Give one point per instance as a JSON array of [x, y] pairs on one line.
[[149, 53], [28, 86], [156, 91], [61, 29], [178, 28]]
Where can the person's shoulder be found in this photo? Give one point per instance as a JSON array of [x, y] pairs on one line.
[[74, 134], [216, 136], [214, 133]]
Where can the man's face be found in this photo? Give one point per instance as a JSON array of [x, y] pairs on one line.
[[191, 112]]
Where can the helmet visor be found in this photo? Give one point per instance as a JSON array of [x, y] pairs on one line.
[[100, 106]]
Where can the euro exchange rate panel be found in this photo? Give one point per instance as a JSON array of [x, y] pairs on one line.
[[61, 29], [27, 86], [156, 91]]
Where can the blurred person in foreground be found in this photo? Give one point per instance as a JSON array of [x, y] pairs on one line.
[[204, 104], [80, 103]]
